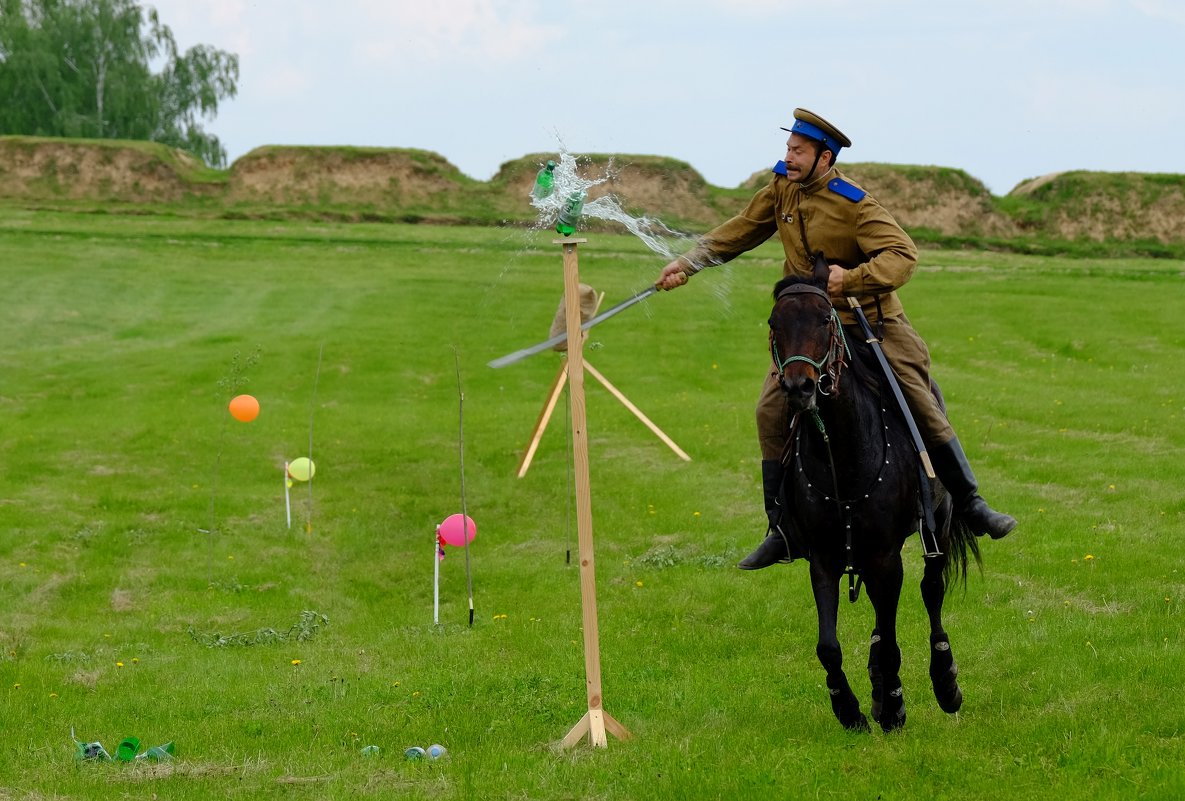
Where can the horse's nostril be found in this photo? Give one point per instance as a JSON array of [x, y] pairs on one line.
[[800, 385]]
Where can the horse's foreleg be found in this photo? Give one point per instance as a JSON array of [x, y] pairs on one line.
[[874, 672], [843, 701], [943, 670], [883, 581]]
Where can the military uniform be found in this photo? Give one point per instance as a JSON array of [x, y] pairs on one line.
[[853, 230], [830, 214]]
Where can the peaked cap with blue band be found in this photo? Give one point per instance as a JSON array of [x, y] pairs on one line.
[[812, 126]]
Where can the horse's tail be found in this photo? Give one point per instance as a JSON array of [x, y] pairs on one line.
[[961, 546]]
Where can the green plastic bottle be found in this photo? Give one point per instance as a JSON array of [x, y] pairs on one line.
[[570, 216], [544, 181]]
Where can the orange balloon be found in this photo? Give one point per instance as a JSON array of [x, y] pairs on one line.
[[244, 408]]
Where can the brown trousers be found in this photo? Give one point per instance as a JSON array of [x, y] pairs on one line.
[[910, 359]]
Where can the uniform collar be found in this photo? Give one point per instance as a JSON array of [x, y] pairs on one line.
[[817, 183]]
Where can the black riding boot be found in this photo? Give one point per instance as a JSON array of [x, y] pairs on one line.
[[950, 463], [775, 547]]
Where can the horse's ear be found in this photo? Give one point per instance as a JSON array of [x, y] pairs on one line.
[[822, 271]]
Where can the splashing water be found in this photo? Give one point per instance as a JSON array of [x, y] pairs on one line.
[[650, 230]]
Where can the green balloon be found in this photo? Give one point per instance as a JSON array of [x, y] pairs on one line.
[[302, 469]]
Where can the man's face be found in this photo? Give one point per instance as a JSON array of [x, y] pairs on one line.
[[800, 155]]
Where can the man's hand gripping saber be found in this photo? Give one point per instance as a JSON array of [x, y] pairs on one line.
[[519, 355]]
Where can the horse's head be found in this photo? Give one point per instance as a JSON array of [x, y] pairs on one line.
[[806, 342]]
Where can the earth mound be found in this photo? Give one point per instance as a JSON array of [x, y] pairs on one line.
[[937, 204]]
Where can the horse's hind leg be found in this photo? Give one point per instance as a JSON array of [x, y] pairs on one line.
[[843, 701], [943, 670]]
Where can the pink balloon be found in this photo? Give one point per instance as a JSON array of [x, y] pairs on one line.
[[455, 532]]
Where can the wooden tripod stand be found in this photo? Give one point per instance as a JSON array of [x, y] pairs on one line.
[[557, 387]]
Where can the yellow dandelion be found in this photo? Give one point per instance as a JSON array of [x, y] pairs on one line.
[[296, 661], [416, 694], [1110, 488], [637, 583], [231, 558], [396, 684], [135, 660], [119, 664], [53, 695], [23, 564], [16, 686], [1088, 557], [695, 514]]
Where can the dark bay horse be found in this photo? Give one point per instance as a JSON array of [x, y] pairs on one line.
[[852, 495]]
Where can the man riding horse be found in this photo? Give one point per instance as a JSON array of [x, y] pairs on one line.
[[813, 208]]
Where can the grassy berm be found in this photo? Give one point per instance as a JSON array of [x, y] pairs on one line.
[[154, 589], [1085, 214]]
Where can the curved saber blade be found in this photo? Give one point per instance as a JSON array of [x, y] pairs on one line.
[[519, 355]]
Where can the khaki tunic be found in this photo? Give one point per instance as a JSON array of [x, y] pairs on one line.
[[878, 257]]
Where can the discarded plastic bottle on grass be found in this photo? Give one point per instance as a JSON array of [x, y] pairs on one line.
[[127, 748], [159, 753], [544, 181], [570, 216], [94, 751]]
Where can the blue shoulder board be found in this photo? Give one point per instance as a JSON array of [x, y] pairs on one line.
[[844, 189], [780, 168]]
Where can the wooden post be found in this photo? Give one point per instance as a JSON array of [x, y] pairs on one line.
[[596, 721]]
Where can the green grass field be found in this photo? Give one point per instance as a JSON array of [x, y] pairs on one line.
[[139, 522]]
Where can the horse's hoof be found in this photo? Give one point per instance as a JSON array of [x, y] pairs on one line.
[[952, 705], [947, 692], [859, 723], [893, 722], [944, 672], [892, 717]]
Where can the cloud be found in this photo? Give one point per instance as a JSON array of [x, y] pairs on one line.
[[456, 32], [283, 81], [1168, 10]]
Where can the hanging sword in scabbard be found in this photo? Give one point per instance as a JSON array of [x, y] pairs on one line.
[[928, 535]]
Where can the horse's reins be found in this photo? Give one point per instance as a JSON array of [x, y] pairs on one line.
[[830, 366]]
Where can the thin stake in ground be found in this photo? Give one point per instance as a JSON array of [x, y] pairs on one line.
[[461, 460]]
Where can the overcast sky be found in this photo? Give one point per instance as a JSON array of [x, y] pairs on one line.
[[1006, 90]]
